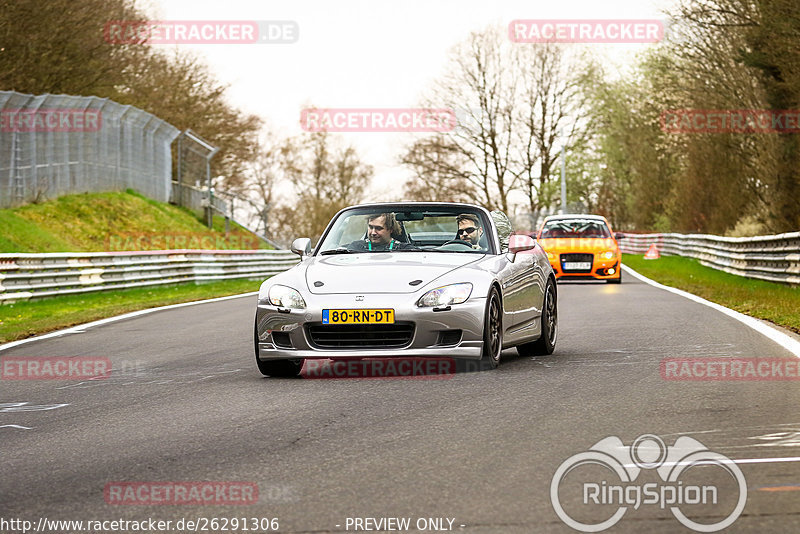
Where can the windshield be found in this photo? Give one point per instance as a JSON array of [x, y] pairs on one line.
[[575, 228], [397, 229]]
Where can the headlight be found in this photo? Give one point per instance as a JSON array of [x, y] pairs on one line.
[[608, 255], [551, 256], [445, 296], [286, 297]]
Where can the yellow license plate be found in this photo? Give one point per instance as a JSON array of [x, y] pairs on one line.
[[357, 316]]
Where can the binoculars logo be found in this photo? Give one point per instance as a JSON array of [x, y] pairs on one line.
[[648, 452]]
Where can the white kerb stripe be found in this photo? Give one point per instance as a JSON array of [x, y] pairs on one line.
[[81, 327]]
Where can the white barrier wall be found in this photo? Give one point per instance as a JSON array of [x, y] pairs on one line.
[[775, 258], [27, 276]]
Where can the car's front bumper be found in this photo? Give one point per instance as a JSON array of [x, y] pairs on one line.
[[601, 270], [293, 340]]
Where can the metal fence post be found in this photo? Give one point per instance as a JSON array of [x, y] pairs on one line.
[[180, 170]]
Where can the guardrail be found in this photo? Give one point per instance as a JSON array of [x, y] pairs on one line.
[[31, 276], [775, 258]]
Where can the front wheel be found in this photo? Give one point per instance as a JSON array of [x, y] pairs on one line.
[[278, 368], [546, 343], [492, 331]]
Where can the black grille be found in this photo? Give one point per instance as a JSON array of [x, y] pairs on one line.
[[356, 336], [572, 258]]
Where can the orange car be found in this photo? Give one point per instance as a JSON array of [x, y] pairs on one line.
[[581, 246]]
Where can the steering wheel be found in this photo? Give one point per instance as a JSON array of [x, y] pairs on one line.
[[457, 242]]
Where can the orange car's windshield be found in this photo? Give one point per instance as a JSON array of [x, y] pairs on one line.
[[575, 228]]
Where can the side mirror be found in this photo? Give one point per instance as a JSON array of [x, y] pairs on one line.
[[619, 235], [301, 246], [520, 243]]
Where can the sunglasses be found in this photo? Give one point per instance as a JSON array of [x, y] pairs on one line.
[[467, 230]]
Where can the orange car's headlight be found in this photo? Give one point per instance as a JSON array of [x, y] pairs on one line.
[[608, 255], [551, 256]]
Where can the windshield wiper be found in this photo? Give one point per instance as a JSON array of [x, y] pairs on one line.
[[340, 250]]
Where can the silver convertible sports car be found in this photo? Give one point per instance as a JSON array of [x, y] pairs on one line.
[[413, 279]]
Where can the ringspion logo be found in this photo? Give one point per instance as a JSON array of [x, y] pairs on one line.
[[605, 478]]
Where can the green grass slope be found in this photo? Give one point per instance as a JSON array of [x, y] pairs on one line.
[[97, 222]]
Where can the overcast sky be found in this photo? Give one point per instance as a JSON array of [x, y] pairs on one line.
[[368, 53]]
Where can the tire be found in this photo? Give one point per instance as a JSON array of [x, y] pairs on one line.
[[492, 332], [546, 343], [617, 280], [277, 368], [280, 368]]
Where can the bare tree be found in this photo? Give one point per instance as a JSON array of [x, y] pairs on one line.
[[511, 101], [181, 90], [480, 87], [554, 110], [326, 175], [438, 172], [262, 179]]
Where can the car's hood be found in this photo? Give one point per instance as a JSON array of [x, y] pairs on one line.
[[380, 272], [588, 245]]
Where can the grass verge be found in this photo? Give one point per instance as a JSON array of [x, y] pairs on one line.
[[111, 222], [777, 303], [26, 319]]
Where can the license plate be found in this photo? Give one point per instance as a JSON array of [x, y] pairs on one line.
[[577, 265], [357, 316]]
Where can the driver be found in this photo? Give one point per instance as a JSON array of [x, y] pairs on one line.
[[469, 229], [382, 231]]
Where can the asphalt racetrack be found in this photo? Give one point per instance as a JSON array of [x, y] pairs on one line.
[[473, 452]]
